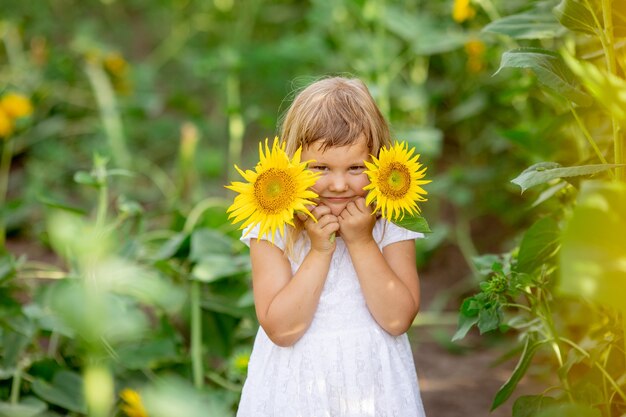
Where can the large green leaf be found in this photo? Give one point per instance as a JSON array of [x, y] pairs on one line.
[[537, 23], [27, 407], [148, 354], [427, 35], [206, 241], [576, 16], [530, 405], [530, 347], [570, 410], [547, 171], [171, 396], [593, 254], [550, 70], [66, 390], [214, 267], [539, 245]]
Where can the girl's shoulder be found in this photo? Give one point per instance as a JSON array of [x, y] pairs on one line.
[[386, 233]]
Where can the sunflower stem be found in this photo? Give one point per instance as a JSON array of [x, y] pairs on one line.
[[196, 335], [5, 165]]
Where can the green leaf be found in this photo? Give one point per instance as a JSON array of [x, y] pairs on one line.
[[539, 245], [209, 242], [489, 318], [427, 35], [537, 23], [530, 347], [530, 405], [85, 178], [170, 396], [550, 70], [66, 390], [7, 267], [52, 203], [464, 326], [148, 354], [214, 267], [593, 259], [27, 407], [575, 16], [174, 246], [608, 89], [569, 410], [548, 171], [415, 223], [224, 305]]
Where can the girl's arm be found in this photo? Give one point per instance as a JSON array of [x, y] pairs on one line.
[[285, 304], [388, 279]]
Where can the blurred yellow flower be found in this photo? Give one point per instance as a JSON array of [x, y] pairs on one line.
[[16, 105], [6, 124], [115, 64], [462, 11], [133, 406], [475, 50], [240, 361]]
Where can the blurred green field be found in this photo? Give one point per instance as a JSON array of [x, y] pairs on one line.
[[119, 268]]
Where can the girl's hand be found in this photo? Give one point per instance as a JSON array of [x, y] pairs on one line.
[[356, 222], [320, 232]]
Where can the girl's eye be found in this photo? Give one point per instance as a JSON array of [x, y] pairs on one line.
[[357, 168], [317, 168]]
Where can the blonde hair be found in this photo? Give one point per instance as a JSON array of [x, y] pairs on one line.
[[335, 111]]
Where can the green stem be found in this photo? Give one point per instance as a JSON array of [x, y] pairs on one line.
[[588, 136], [554, 338], [236, 126], [382, 76], [465, 244], [597, 365], [608, 44], [520, 306], [15, 385], [5, 166], [111, 119], [490, 9], [196, 335], [196, 212]]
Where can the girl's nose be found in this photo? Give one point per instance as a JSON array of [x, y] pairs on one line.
[[338, 183]]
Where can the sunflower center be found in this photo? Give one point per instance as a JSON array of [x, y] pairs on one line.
[[395, 181], [274, 190]]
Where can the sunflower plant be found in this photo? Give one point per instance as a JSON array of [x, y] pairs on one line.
[[396, 178], [278, 187]]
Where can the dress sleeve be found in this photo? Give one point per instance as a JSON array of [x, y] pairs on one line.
[[250, 233], [392, 233]]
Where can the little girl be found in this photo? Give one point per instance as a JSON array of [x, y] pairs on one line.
[[334, 312]]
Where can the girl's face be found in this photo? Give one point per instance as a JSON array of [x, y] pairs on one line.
[[342, 173]]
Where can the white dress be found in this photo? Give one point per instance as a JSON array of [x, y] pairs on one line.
[[345, 365]]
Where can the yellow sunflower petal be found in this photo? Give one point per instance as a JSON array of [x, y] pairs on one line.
[[277, 187]]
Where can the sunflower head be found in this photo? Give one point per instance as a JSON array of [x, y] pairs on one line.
[[274, 191], [395, 182]]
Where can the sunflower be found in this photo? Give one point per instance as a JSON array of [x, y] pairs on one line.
[[395, 179], [133, 406], [276, 189]]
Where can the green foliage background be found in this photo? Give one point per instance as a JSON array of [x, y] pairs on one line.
[[132, 277]]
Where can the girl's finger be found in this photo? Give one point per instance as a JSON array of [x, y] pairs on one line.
[[360, 204]]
